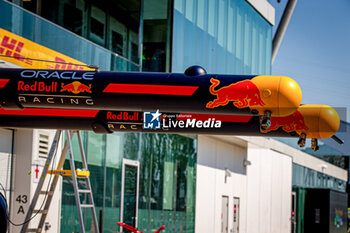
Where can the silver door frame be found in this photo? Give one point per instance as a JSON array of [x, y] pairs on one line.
[[134, 164], [237, 213], [227, 213], [294, 218]]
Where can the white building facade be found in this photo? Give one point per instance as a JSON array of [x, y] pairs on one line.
[[242, 184]]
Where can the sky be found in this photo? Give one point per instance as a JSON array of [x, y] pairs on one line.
[[315, 51]]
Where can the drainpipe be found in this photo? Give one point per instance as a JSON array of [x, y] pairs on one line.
[[282, 27]]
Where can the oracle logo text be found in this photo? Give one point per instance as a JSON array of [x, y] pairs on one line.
[[45, 74]]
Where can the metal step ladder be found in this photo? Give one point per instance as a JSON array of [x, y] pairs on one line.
[[75, 174]]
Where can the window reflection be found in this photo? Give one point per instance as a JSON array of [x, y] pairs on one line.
[[156, 35], [166, 181], [222, 36], [113, 24], [166, 185]]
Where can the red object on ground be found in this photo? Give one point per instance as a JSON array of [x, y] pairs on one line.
[[160, 229], [130, 228]]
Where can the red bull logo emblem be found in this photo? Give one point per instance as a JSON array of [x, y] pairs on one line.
[[76, 87], [294, 122], [243, 94]]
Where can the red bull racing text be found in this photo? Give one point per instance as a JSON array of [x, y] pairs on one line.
[[37, 86]]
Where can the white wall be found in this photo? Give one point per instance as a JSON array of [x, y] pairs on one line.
[[298, 157], [269, 187], [26, 155], [21, 185], [5, 161], [214, 156], [264, 187], [265, 9]]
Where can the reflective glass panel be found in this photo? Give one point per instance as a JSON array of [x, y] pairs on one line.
[[223, 36], [130, 194]]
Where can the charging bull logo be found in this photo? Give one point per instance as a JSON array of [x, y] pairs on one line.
[[294, 122], [76, 87], [243, 94]]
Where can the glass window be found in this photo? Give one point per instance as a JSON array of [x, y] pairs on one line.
[[248, 17], [96, 148], [123, 28], [112, 198], [28, 25], [157, 36], [230, 36], [113, 24], [307, 178], [166, 181], [97, 24], [74, 19]]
